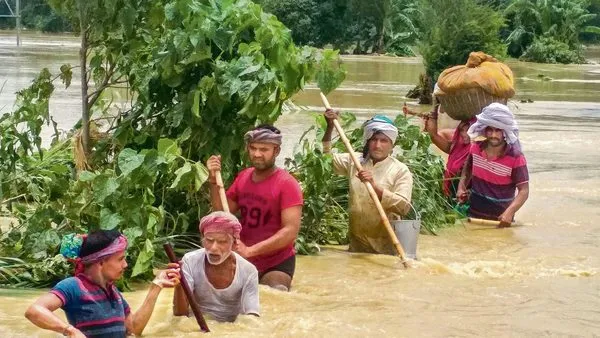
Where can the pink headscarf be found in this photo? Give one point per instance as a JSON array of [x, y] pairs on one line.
[[220, 221], [118, 245]]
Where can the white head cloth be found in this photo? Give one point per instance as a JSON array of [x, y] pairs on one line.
[[496, 115], [380, 124]]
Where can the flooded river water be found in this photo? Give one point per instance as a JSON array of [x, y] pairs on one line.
[[537, 280]]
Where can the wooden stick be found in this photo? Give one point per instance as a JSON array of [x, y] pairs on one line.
[[187, 291], [222, 195], [487, 222], [372, 193]]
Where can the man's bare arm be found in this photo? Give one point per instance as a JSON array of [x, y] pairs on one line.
[[41, 313], [465, 178], [522, 195]]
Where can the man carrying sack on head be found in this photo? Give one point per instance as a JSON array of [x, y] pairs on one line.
[[390, 178], [269, 201], [496, 167]]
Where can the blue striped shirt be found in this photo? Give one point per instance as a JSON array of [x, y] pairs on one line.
[[95, 311]]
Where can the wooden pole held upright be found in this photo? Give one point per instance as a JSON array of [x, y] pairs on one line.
[[222, 195]]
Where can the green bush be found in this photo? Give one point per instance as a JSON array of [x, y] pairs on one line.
[[549, 50]]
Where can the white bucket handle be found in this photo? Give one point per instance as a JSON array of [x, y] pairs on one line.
[[417, 214]]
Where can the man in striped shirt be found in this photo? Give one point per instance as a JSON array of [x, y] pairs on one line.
[[496, 168]]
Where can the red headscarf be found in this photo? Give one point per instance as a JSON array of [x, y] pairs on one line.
[[221, 221]]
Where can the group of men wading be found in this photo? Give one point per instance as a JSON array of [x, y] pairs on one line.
[[237, 255]]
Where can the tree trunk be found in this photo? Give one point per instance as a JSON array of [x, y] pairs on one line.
[[426, 89], [85, 114], [422, 91], [380, 42]]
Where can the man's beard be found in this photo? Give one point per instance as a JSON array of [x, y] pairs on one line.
[[217, 262], [263, 165], [495, 142]]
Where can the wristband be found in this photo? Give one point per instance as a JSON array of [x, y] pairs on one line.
[[155, 282]]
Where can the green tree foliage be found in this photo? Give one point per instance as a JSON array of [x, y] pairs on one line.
[[383, 26], [390, 25], [547, 49], [453, 29], [203, 72], [560, 22], [593, 8], [37, 15], [313, 23]]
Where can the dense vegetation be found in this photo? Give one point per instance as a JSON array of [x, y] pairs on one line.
[[202, 73], [536, 30]]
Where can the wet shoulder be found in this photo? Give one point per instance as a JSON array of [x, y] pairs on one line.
[[194, 255], [476, 147], [245, 173], [284, 176], [70, 283], [514, 151], [246, 268]]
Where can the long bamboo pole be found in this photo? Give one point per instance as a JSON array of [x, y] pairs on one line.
[[372, 193]]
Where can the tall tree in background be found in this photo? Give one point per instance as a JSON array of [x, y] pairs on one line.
[[106, 30], [594, 7], [453, 29], [355, 26], [391, 21], [547, 28]]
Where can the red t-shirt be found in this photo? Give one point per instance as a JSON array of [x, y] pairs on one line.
[[260, 205]]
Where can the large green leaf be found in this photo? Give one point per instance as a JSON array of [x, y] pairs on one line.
[[86, 176], [183, 178], [129, 160], [168, 148], [331, 73], [200, 175], [133, 233], [144, 259], [109, 220], [104, 187]]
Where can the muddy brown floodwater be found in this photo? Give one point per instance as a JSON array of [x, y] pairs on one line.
[[537, 280]]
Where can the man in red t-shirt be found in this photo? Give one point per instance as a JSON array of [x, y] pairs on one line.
[[269, 202]]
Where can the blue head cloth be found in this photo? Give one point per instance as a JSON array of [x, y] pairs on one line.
[[70, 245]]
